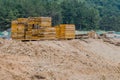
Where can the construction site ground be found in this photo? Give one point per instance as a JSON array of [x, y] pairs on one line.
[[87, 59]]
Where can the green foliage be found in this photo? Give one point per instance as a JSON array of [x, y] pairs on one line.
[[109, 11], [85, 14]]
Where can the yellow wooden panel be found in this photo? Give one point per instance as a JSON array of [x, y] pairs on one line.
[[35, 38], [28, 37], [45, 24], [20, 29], [67, 31], [43, 30], [57, 32], [35, 31], [14, 26], [45, 19], [28, 32], [22, 20]]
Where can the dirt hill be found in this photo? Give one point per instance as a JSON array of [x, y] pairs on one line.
[[59, 60]]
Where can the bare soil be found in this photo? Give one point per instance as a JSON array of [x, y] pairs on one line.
[[59, 60]]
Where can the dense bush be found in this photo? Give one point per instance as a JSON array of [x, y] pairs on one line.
[[85, 14]]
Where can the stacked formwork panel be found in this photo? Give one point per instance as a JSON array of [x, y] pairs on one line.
[[14, 29], [37, 28], [21, 26], [47, 33], [33, 28], [45, 21], [57, 32], [65, 31], [18, 28]]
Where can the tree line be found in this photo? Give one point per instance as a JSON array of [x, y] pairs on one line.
[[85, 14]]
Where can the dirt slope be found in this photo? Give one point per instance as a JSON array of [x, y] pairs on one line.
[[58, 60], [104, 49]]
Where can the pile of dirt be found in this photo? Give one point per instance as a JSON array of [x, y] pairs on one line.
[[59, 60], [115, 42]]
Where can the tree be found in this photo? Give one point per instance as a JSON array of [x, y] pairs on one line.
[[85, 14], [79, 14]]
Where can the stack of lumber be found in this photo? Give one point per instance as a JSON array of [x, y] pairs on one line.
[[81, 36], [47, 33], [17, 30], [37, 28], [41, 21], [40, 28], [34, 20], [32, 34], [45, 21], [22, 20], [67, 31], [32, 30]]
